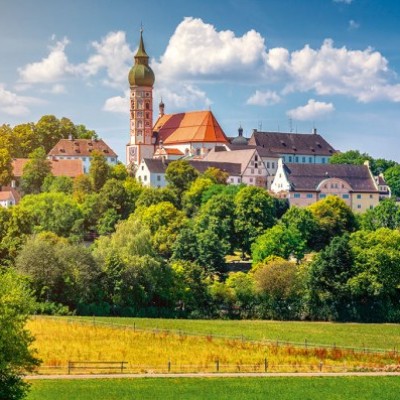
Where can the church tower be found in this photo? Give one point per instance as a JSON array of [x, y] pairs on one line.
[[141, 81]]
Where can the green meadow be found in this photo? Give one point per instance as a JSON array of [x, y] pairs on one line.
[[327, 388], [374, 336]]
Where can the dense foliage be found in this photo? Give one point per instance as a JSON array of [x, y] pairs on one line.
[[105, 245]]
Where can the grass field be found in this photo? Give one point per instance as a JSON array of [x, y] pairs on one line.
[[374, 336], [61, 340], [351, 388]]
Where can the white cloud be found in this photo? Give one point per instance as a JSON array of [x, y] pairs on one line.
[[331, 70], [13, 104], [311, 111], [113, 55], [260, 98], [353, 24], [53, 68], [119, 104], [198, 51]]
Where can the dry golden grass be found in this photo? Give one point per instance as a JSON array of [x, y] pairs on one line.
[[60, 341]]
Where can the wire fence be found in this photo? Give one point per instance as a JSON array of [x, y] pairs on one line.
[[263, 366]]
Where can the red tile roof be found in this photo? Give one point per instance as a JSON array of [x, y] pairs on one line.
[[71, 168], [195, 126], [81, 147]]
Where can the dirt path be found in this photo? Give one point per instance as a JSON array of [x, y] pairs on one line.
[[212, 375]]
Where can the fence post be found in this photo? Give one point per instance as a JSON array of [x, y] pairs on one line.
[[217, 365], [320, 366], [134, 327], [265, 364], [169, 365], [69, 367]]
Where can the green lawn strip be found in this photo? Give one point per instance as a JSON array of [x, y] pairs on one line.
[[327, 388], [373, 336]]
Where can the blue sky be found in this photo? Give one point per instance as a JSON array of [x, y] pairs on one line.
[[270, 64]]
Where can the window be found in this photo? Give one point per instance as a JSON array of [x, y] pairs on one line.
[[303, 159], [358, 205], [310, 159], [259, 172], [296, 195], [359, 196], [251, 180], [145, 178], [345, 196], [283, 159], [142, 167], [371, 196], [252, 170], [309, 195], [256, 158], [371, 207], [238, 179], [158, 178], [273, 165], [256, 165], [323, 160], [322, 195], [297, 159], [290, 158], [267, 164], [231, 180]]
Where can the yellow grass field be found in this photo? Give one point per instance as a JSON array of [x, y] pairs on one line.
[[59, 341]]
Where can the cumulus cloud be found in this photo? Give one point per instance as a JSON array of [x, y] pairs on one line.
[[311, 111], [50, 69], [15, 105], [260, 98], [119, 104], [198, 51], [331, 70], [113, 55]]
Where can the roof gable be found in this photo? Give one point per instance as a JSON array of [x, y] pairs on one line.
[[195, 126], [81, 147], [292, 143], [309, 176]]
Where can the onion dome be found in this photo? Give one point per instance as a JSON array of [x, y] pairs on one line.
[[240, 139], [141, 74]]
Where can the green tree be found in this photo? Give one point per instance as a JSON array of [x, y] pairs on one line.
[[119, 172], [59, 271], [99, 170], [67, 129], [48, 129], [385, 215], [83, 133], [165, 222], [278, 241], [82, 186], [192, 198], [376, 281], [25, 140], [6, 170], [243, 291], [35, 171], [16, 356], [216, 175], [278, 289], [63, 184], [191, 289], [255, 212], [353, 157], [179, 175], [392, 177], [53, 212], [330, 271], [150, 195], [304, 221], [334, 218]]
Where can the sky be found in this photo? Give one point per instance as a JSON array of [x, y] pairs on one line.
[[273, 65]]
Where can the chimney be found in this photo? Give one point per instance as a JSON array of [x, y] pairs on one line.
[[255, 130], [314, 131], [70, 137]]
